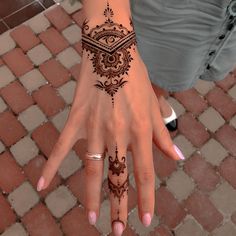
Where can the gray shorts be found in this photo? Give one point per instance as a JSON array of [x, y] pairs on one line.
[[181, 41]]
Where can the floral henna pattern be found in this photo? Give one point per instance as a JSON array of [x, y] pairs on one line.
[[110, 44], [116, 166], [119, 189]]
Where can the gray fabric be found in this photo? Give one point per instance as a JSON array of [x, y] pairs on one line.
[[174, 38]]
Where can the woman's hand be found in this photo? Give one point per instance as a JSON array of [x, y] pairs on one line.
[[115, 109]]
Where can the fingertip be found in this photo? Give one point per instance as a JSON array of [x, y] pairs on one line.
[[180, 154], [41, 183]]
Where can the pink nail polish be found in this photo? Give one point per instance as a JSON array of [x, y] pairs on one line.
[[40, 183], [146, 219], [179, 152], [118, 228], [92, 217]]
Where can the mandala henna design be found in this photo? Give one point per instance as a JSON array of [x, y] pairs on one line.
[[109, 43], [119, 189], [117, 167]]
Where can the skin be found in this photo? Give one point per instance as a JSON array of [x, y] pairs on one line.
[[130, 120]]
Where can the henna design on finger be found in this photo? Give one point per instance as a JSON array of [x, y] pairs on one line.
[[117, 167], [109, 43], [118, 218], [119, 189]]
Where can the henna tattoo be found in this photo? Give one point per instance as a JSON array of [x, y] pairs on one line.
[[109, 43], [117, 167], [118, 218], [119, 189]]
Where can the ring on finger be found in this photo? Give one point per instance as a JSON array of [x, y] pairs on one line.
[[95, 156]]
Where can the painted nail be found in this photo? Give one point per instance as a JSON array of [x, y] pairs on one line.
[[40, 183], [146, 219], [92, 217], [118, 228], [179, 152]]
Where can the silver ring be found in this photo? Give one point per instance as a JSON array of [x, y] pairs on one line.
[[95, 156]]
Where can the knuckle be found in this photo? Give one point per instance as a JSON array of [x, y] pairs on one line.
[[145, 177], [91, 170]]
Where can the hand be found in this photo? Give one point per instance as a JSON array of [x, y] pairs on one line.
[[115, 109]]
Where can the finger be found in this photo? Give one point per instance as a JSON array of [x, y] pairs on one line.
[[66, 140], [161, 136], [144, 174], [118, 182], [94, 169]]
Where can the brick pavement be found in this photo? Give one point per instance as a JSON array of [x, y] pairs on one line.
[[39, 61]]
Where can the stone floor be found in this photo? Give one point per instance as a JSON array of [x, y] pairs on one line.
[[39, 62]]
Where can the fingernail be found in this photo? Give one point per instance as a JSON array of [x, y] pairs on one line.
[[118, 228], [92, 217], [179, 152], [146, 219], [40, 183]]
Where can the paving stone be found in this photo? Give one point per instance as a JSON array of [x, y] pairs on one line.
[[178, 107], [190, 226], [180, 184], [39, 221], [134, 221], [233, 122], [11, 175], [228, 169], [203, 86], [71, 8], [193, 130], [24, 150], [60, 201], [226, 135], [32, 117], [222, 102], [184, 145], [3, 105], [2, 147], [53, 40], [45, 94], [33, 170], [202, 172], [69, 57], [227, 82], [224, 197], [75, 71], [58, 17], [191, 100], [16, 97], [23, 198], [213, 152], [170, 214], [69, 165], [32, 80], [16, 229], [24, 37], [202, 209], [72, 33], [161, 230], [7, 43], [211, 119], [78, 47], [45, 132], [232, 92], [67, 91], [7, 215], [233, 217], [6, 76], [79, 17], [60, 118], [9, 122], [54, 72], [70, 224], [39, 54], [12, 59], [227, 229], [38, 23]]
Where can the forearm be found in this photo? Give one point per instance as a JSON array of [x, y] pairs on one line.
[[94, 9]]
